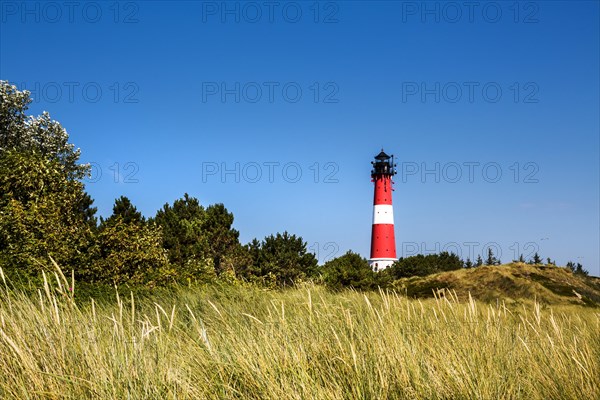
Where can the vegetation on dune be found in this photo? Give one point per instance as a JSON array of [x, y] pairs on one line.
[[244, 342], [510, 282]]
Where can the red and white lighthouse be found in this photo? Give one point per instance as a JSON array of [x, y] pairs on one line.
[[383, 242]]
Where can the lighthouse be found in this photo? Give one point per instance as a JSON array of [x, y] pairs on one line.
[[383, 242]]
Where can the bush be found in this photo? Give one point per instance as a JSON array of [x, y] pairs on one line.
[[421, 265], [43, 213], [282, 258], [130, 253], [193, 234], [351, 271]]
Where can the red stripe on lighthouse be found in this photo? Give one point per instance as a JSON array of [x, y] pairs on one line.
[[383, 242], [383, 191]]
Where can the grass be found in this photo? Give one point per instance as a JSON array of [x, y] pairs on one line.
[[303, 343], [512, 283]]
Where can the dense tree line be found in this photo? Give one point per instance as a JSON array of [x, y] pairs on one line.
[[352, 270], [45, 212]]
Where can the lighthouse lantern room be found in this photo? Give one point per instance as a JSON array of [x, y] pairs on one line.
[[383, 242]]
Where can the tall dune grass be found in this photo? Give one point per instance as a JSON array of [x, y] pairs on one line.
[[303, 343]]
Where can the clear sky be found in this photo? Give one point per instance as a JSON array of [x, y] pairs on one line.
[[277, 108]]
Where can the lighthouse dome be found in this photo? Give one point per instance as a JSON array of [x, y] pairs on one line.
[[382, 156]]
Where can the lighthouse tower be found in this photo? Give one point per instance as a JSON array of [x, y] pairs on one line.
[[383, 242]]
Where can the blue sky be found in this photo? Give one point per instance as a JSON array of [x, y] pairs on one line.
[[276, 109]]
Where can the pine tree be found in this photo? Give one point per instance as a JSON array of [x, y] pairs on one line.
[[491, 260], [468, 263], [579, 270], [285, 258], [128, 250], [350, 270], [479, 261], [124, 209], [536, 259], [195, 236], [521, 258], [183, 236], [221, 237]]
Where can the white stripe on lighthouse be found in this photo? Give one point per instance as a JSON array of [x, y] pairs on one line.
[[383, 214]]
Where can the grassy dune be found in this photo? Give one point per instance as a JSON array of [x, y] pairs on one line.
[[509, 282], [303, 343]]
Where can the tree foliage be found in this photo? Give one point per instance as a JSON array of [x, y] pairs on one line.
[[128, 250], [129, 253], [479, 261], [491, 258], [41, 135], [351, 271], [421, 265], [577, 268], [183, 237], [282, 258], [222, 239], [198, 239], [124, 210], [43, 212]]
